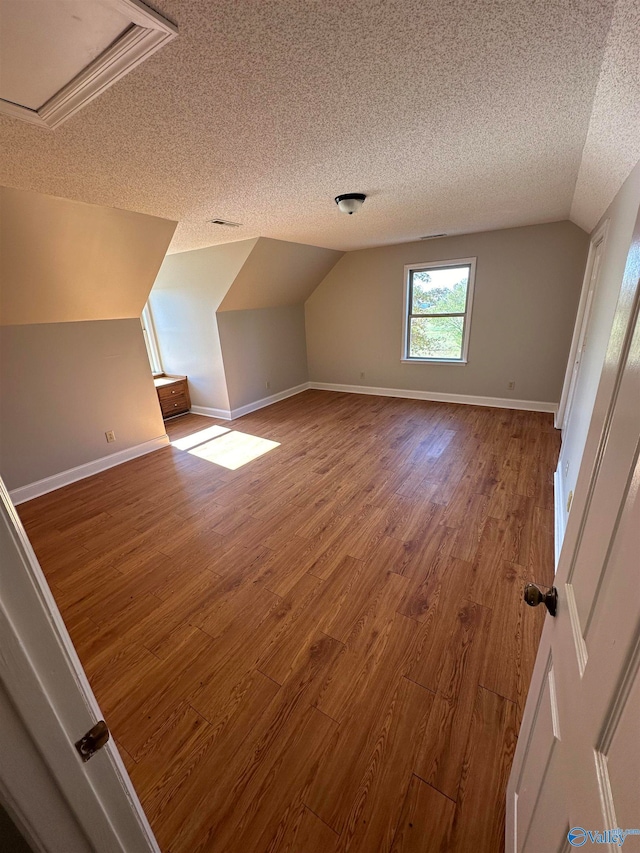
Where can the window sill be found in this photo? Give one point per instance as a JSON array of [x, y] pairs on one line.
[[433, 360]]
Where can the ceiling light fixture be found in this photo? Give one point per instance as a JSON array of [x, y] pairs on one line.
[[350, 202]]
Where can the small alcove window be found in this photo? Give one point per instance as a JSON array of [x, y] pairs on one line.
[[151, 341]]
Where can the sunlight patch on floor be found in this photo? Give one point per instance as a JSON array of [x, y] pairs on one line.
[[234, 449], [199, 437]]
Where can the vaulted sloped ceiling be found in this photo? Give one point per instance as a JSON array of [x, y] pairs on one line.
[[244, 275], [206, 273], [64, 261], [451, 115], [278, 273], [612, 147]]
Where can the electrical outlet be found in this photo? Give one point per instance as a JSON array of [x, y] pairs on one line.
[[267, 385], [511, 385], [110, 436]]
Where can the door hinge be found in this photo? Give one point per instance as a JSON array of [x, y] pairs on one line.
[[94, 740]]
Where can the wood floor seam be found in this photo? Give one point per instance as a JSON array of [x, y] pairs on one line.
[[417, 776], [433, 692]]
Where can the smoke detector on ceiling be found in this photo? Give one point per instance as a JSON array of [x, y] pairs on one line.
[[225, 222], [350, 202]]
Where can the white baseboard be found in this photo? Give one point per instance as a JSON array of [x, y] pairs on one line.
[[230, 415], [207, 412], [465, 399], [72, 475], [558, 511], [268, 401], [436, 397]]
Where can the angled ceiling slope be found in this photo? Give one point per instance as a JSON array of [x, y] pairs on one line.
[[247, 274], [58, 56], [201, 278], [278, 272], [612, 147], [65, 261]]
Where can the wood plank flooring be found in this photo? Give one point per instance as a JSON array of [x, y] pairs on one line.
[[325, 649]]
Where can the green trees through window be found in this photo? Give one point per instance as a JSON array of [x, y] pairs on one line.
[[438, 302]]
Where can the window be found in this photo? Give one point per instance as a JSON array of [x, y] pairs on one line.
[[437, 315], [151, 342]]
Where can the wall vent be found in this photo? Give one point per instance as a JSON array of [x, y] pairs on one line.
[[432, 236], [225, 222]]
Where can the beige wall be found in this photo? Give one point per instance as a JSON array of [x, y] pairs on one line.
[[231, 318], [260, 346], [621, 217], [63, 261], [185, 297], [65, 384], [526, 294]]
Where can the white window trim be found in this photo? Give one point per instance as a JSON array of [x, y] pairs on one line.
[[151, 340], [471, 263]]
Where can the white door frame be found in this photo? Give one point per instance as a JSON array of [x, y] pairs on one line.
[[580, 329], [46, 705]]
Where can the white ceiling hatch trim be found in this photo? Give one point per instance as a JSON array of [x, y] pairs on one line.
[[144, 32]]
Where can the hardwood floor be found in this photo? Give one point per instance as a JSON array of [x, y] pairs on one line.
[[325, 649]]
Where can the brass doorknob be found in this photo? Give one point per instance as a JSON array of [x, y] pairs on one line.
[[535, 595]]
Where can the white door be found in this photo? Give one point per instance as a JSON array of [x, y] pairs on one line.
[[576, 771], [60, 802]]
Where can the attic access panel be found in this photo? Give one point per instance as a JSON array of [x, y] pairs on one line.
[[57, 55]]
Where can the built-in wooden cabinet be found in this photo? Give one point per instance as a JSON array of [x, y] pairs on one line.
[[173, 394]]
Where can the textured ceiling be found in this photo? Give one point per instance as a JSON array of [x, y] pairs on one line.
[[612, 147], [452, 115]]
